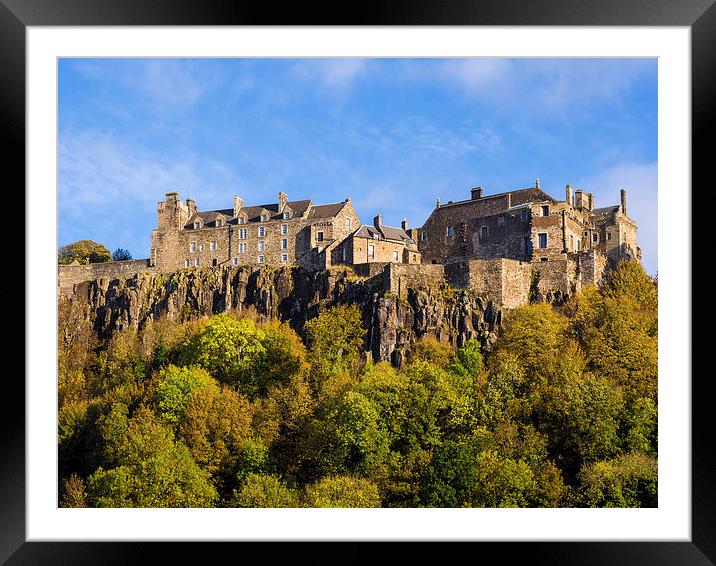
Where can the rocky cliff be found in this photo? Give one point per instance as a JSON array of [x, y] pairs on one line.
[[295, 295]]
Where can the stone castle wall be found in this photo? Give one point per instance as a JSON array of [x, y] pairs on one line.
[[70, 275]]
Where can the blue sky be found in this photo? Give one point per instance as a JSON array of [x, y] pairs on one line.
[[393, 134]]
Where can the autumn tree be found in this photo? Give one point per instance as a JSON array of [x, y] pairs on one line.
[[83, 251]]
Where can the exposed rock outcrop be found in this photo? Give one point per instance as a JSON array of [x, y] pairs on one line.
[[294, 295]]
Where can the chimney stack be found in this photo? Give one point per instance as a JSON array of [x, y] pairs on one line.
[[568, 195], [238, 203], [404, 224], [282, 201], [476, 193], [624, 208], [191, 206], [378, 221]]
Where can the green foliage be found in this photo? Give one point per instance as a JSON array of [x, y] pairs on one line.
[[83, 251], [342, 491], [121, 254], [175, 387], [629, 481], [429, 350], [230, 349], [153, 471], [335, 339], [260, 490]]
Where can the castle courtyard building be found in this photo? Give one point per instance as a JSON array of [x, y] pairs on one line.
[[281, 233], [378, 244]]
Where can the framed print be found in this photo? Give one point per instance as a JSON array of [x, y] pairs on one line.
[[71, 78]]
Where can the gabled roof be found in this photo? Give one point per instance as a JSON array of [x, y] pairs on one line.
[[326, 210], [383, 233], [253, 213]]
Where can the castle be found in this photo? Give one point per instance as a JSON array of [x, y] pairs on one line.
[[516, 246]]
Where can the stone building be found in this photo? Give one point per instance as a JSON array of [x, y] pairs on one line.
[[551, 247], [281, 233], [527, 225], [378, 244]]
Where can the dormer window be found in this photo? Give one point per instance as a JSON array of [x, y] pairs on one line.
[[264, 217], [196, 225], [242, 220], [219, 223], [286, 215]]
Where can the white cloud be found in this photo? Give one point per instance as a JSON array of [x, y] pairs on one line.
[[641, 182], [333, 73]]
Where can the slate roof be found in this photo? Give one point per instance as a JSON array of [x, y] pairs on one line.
[[384, 233], [253, 213], [517, 197]]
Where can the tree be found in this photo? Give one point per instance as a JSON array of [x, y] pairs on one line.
[[153, 471], [176, 386], [231, 349], [121, 254], [628, 481], [260, 490], [335, 339], [83, 251], [342, 491]]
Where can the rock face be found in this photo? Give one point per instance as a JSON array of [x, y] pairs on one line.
[[294, 295]]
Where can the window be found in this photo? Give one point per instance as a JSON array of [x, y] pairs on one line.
[[542, 240], [242, 233], [525, 215], [262, 231], [235, 261], [423, 236], [319, 236], [212, 246], [284, 244], [219, 222], [571, 242], [186, 263], [201, 247], [284, 229], [264, 217], [284, 258], [261, 259], [500, 220], [483, 233], [579, 245], [242, 248], [609, 235], [543, 259], [371, 251], [196, 262], [242, 220], [347, 224], [262, 245], [527, 244], [545, 211], [595, 237], [192, 247], [285, 215], [344, 253], [395, 256], [196, 225], [214, 262], [450, 231]]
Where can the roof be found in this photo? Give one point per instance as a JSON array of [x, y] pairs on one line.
[[517, 197], [605, 210], [385, 232], [297, 207]]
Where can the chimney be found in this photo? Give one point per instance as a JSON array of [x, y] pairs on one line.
[[624, 209], [191, 206], [579, 199], [476, 193], [404, 224], [536, 183], [568, 195], [282, 201], [378, 221], [238, 203]]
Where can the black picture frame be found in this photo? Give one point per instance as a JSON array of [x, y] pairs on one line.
[[17, 15]]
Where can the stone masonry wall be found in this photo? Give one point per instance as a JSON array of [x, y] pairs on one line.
[[70, 275]]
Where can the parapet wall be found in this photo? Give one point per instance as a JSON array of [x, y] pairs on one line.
[[506, 281], [70, 275]]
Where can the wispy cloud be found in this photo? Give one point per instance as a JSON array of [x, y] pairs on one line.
[[333, 73]]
